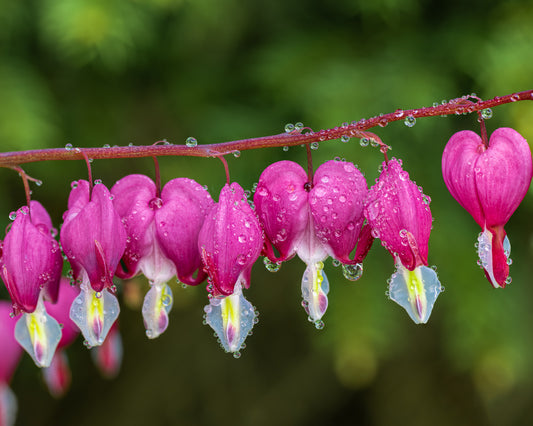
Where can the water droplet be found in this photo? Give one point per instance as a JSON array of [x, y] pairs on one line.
[[410, 121], [107, 145], [74, 184], [336, 263], [509, 280], [289, 127], [191, 142], [486, 113], [271, 266], [345, 138], [319, 324], [236, 154], [285, 148], [299, 126], [97, 181], [68, 146], [236, 354], [374, 143], [13, 215], [352, 272], [364, 142], [314, 145]]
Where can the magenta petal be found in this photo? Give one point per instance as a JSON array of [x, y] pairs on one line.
[[472, 172], [178, 223], [134, 200], [11, 350], [230, 240], [399, 215], [459, 160], [93, 236], [505, 165], [31, 261], [336, 203], [61, 312], [281, 203]]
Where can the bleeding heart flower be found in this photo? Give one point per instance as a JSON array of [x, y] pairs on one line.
[[108, 356], [30, 268], [489, 182], [326, 219], [162, 238], [9, 358], [57, 376], [230, 242], [400, 217], [93, 239]]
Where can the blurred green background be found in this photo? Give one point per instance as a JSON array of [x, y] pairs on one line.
[[112, 72]]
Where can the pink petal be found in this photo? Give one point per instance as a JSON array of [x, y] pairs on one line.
[[31, 261], [503, 175], [11, 350], [178, 223], [336, 203], [93, 236], [230, 240], [282, 207], [400, 216], [132, 199]]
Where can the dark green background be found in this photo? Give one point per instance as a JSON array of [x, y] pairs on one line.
[[112, 72]]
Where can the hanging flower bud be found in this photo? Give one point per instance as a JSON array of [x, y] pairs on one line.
[[489, 182], [30, 268], [162, 238], [400, 217], [9, 358], [93, 239], [57, 376], [326, 219], [230, 242], [108, 356]]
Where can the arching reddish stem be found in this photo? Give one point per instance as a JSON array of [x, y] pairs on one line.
[[461, 105]]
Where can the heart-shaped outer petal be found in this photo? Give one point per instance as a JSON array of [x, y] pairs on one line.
[[93, 236], [399, 215], [281, 203], [61, 312], [488, 182], [132, 199], [230, 240], [504, 175], [336, 203], [178, 223], [11, 350], [31, 260]]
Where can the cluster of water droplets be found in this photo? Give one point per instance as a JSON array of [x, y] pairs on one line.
[[484, 251]]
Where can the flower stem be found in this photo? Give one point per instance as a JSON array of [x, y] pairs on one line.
[[463, 105]]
